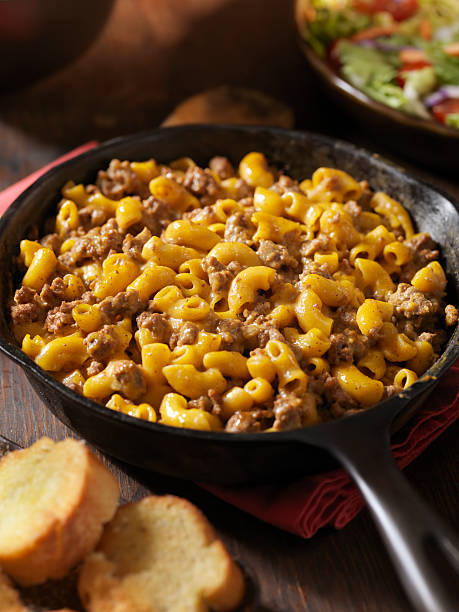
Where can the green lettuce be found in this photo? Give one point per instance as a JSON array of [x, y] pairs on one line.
[[331, 25], [373, 72], [387, 93], [452, 120], [421, 81], [446, 67], [440, 13]]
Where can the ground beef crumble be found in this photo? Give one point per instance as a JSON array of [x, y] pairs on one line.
[[353, 209], [276, 255], [287, 411], [231, 333], [347, 346], [123, 304], [97, 244], [188, 334], [133, 245], [250, 421], [103, 343], [409, 303], [321, 244], [451, 315], [212, 402], [120, 180], [156, 216], [90, 217], [28, 307], [220, 276], [201, 183], [239, 227], [157, 323], [336, 400], [424, 251], [222, 167], [285, 183], [52, 241], [52, 295], [60, 318], [127, 378], [206, 215], [94, 367], [312, 267]]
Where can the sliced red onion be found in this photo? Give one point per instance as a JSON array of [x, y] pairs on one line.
[[381, 45], [369, 43], [442, 94], [384, 46], [452, 90]]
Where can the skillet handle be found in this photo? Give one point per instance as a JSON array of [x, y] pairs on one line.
[[403, 518]]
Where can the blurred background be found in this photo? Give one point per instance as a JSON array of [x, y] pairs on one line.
[[145, 58]]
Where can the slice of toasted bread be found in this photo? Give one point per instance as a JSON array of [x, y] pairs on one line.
[[160, 554], [55, 497]]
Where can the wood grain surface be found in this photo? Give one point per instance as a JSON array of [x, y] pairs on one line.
[[152, 54]]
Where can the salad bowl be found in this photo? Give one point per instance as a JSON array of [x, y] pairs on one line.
[[406, 105]]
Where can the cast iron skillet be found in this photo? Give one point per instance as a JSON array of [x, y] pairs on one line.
[[360, 443]]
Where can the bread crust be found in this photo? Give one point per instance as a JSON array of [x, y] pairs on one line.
[[116, 579], [71, 527]]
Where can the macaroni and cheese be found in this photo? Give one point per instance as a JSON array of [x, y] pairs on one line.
[[236, 300]]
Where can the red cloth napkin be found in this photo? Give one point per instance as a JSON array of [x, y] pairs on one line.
[[308, 504]]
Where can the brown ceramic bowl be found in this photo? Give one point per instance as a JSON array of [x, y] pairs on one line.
[[431, 143], [37, 37]]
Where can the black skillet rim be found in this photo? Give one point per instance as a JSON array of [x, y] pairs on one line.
[[425, 382]]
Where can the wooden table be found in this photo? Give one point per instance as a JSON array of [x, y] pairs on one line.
[[150, 56]]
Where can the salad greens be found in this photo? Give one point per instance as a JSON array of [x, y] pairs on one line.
[[446, 67], [421, 81], [372, 72], [331, 25], [398, 52], [453, 120], [440, 14]]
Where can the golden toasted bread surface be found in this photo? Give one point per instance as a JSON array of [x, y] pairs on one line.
[[55, 498], [160, 554]]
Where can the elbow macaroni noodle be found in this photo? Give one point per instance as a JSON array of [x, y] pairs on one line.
[[248, 303]]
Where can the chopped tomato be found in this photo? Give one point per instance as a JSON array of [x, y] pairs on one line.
[[411, 66], [399, 9], [452, 49], [445, 108], [411, 56], [425, 29], [375, 32]]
